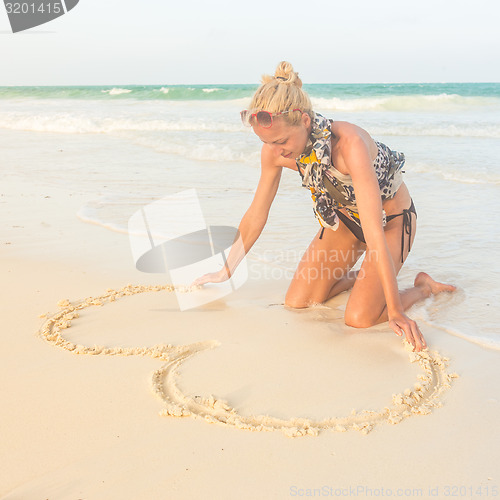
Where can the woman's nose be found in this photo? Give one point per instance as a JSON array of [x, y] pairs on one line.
[[278, 149]]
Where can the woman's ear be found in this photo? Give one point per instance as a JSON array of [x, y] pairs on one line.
[[306, 120]]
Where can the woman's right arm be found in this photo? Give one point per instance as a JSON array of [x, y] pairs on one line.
[[254, 220]]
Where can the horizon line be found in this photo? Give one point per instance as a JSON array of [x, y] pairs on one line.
[[252, 84]]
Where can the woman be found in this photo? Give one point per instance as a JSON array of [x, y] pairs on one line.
[[359, 198]]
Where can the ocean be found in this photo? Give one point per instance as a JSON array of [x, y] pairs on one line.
[[128, 145]]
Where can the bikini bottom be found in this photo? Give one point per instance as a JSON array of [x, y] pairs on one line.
[[358, 232]]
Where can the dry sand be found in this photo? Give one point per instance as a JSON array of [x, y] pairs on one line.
[[100, 426]]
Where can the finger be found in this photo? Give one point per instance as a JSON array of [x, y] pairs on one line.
[[199, 281], [418, 335], [424, 343], [417, 344], [396, 328], [412, 334], [410, 338], [419, 341], [406, 328]]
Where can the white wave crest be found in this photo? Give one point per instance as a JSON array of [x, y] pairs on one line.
[[72, 123], [444, 130], [438, 102], [116, 91], [69, 123], [472, 176]]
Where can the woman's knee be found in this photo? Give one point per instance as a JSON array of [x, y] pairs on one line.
[[295, 304], [358, 318], [295, 300], [299, 300]]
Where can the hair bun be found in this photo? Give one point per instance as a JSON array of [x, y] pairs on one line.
[[282, 92], [284, 74]]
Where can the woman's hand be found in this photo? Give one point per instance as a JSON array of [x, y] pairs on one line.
[[217, 277], [401, 323]]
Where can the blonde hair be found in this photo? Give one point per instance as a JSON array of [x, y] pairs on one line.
[[282, 92]]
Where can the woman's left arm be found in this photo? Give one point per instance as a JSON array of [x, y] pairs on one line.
[[355, 154]]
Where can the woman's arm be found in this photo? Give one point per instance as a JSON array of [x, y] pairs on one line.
[[355, 154], [254, 219], [354, 150]]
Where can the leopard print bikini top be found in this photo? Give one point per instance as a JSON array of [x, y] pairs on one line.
[[332, 190]]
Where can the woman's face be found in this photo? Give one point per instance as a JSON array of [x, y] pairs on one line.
[[288, 141]]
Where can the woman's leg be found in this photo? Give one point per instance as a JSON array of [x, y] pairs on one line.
[[324, 270], [423, 286], [366, 305]]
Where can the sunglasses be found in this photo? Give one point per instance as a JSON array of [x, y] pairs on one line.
[[264, 118]]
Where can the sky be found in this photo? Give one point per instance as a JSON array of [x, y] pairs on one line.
[[109, 42]]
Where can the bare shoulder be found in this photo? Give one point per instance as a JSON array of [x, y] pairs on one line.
[[347, 130], [348, 136]]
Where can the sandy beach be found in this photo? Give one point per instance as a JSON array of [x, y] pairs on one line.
[[91, 426], [111, 391]]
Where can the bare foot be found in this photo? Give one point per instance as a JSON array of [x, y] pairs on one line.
[[432, 287]]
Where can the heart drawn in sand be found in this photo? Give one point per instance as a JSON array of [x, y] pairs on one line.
[[420, 400]]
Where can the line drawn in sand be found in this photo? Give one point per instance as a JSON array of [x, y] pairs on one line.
[[420, 400]]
